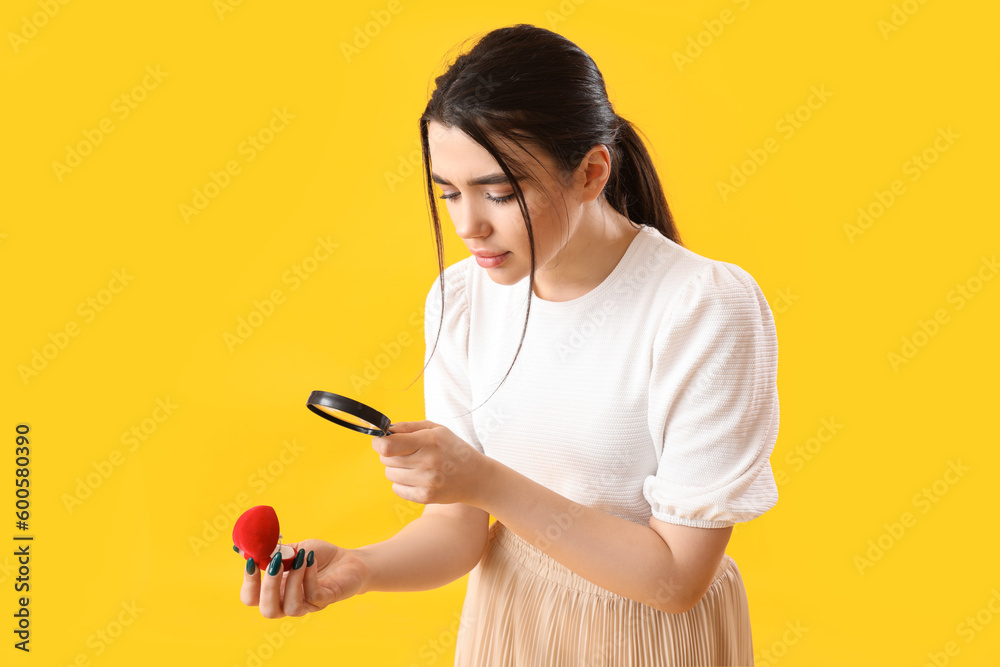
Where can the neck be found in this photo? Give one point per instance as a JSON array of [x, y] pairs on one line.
[[592, 252]]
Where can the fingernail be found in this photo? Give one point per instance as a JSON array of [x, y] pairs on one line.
[[299, 557], [310, 560], [249, 565], [236, 548], [275, 565]]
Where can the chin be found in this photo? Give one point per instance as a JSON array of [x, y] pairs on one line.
[[501, 276]]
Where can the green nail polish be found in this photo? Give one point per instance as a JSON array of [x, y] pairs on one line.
[[236, 548], [310, 560], [275, 565], [299, 557], [249, 565]]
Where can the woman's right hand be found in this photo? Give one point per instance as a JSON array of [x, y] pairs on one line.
[[336, 574]]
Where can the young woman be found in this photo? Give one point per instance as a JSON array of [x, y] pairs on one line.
[[608, 395]]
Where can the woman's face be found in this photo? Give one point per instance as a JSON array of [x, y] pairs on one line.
[[486, 216]]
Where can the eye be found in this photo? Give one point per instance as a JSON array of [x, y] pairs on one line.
[[499, 201]]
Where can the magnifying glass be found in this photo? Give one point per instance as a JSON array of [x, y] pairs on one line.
[[349, 413]]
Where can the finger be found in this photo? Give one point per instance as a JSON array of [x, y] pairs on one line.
[[270, 589], [405, 476], [397, 446], [406, 492], [294, 605], [404, 461], [250, 590], [410, 427], [312, 594]]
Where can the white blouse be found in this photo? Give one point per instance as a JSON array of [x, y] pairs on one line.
[[653, 394]]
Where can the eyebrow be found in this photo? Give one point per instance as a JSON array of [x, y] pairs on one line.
[[489, 179]]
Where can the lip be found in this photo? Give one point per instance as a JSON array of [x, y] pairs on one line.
[[491, 261], [485, 254]]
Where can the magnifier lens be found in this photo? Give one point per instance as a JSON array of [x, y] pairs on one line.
[[346, 416], [348, 412]]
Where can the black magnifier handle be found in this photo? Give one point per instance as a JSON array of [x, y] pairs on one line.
[[328, 405]]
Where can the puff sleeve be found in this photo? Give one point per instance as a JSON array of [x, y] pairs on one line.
[[713, 402], [447, 389]]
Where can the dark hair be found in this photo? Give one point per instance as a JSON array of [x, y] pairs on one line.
[[525, 83]]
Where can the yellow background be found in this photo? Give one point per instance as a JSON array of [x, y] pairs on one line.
[[841, 305]]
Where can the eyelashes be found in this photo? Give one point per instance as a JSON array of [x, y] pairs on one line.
[[499, 201]]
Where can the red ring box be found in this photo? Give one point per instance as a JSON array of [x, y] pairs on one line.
[[257, 535]]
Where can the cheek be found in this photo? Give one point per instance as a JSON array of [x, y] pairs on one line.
[[541, 214], [544, 227]]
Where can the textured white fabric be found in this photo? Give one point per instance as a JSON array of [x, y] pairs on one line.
[[653, 394]]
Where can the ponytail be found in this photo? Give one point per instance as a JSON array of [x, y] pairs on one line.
[[634, 189]]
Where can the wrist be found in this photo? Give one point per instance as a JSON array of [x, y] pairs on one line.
[[488, 479], [365, 557]]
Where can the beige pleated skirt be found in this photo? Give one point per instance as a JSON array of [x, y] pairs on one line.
[[524, 609]]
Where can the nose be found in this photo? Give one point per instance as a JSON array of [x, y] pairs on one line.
[[471, 223]]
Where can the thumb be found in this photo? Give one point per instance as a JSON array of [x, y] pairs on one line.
[[410, 427]]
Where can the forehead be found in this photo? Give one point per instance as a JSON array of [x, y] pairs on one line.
[[454, 149], [455, 155]]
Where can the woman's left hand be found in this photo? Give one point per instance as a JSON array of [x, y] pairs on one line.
[[427, 463]]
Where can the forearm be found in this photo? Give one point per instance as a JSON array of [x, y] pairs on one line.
[[427, 553], [614, 553]]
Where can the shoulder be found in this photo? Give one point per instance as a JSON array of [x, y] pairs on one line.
[[457, 280], [689, 285], [679, 269], [720, 285]]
